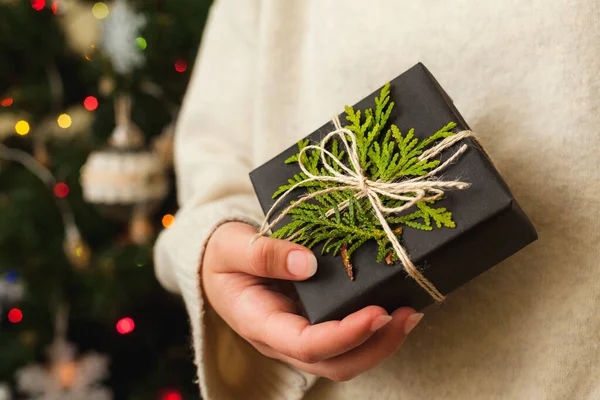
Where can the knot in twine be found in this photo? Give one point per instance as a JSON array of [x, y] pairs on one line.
[[412, 191]]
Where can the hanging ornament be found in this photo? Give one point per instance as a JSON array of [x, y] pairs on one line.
[[125, 175], [119, 31], [66, 376]]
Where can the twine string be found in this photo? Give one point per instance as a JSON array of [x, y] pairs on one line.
[[352, 177]]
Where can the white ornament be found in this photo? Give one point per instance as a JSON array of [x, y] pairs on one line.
[[115, 177], [120, 30], [66, 378]]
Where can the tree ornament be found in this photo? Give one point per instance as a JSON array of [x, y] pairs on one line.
[[65, 376], [119, 31], [124, 175]]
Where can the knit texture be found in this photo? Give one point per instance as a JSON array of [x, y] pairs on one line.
[[525, 75]]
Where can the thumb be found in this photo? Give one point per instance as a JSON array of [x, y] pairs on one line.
[[266, 257]]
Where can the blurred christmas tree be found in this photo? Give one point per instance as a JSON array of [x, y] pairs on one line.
[[88, 94]]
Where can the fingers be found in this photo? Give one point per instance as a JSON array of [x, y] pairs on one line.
[[346, 366], [293, 336], [266, 257]]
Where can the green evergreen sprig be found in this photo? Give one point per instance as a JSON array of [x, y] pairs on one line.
[[385, 154]]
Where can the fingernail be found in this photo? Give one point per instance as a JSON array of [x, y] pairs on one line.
[[380, 322], [411, 322], [301, 263]]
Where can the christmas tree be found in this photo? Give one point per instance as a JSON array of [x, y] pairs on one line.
[[89, 92]]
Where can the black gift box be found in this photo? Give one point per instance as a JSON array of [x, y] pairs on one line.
[[490, 225]]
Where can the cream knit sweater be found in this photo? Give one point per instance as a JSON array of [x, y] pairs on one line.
[[525, 74]]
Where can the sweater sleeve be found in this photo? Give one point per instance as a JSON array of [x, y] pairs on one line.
[[212, 160]]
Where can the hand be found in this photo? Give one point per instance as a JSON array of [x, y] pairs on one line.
[[235, 281]]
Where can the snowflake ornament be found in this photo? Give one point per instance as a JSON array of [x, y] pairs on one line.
[[66, 377], [120, 30]]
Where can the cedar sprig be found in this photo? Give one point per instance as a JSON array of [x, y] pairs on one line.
[[389, 157]]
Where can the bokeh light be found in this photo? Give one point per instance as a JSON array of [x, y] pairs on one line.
[[141, 43], [15, 316], [168, 220], [125, 326], [100, 10], [61, 190], [64, 121], [22, 127], [90, 103], [55, 7], [7, 102], [180, 65], [12, 276], [38, 5], [171, 395]]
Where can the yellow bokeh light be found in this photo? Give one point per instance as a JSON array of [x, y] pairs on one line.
[[100, 10], [22, 128], [167, 220], [64, 121]]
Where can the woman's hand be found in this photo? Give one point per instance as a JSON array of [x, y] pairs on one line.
[[235, 278]]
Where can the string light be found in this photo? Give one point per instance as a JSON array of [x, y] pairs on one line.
[[15, 316], [22, 127], [171, 395], [61, 190], [64, 121], [100, 10], [141, 43], [180, 65], [125, 326], [168, 220], [38, 5], [7, 102], [90, 103]]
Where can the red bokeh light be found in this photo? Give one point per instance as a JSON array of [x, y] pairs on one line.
[[90, 103], [15, 315], [55, 7], [180, 65], [125, 326], [61, 190], [171, 395], [7, 102], [38, 5]]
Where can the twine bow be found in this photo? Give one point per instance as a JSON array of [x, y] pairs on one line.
[[352, 177]]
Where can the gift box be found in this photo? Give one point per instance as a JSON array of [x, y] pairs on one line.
[[450, 237]]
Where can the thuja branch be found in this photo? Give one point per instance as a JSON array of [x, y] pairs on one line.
[[342, 221]]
